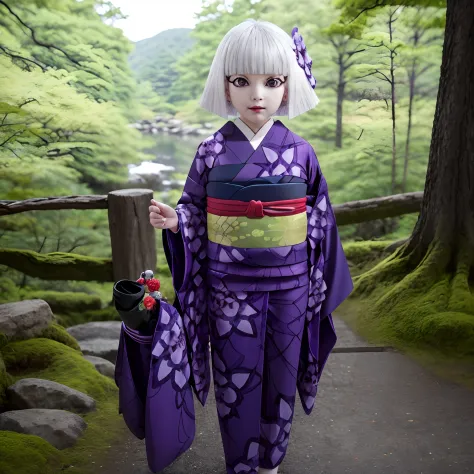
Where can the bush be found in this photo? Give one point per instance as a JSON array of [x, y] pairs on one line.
[[66, 302]]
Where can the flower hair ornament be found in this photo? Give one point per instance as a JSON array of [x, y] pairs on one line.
[[302, 56]]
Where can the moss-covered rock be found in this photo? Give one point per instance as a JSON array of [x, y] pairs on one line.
[[52, 360], [56, 361], [27, 454], [57, 333]]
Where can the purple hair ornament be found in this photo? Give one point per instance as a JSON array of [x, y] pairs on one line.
[[302, 56]]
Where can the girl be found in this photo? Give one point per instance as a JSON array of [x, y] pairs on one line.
[[253, 247]]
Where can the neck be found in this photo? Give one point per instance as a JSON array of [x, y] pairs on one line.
[[254, 127]]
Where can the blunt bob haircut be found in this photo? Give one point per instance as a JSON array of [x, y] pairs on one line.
[[257, 47]]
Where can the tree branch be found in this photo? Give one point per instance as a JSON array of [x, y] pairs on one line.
[[47, 45], [367, 9], [12, 55], [13, 136]]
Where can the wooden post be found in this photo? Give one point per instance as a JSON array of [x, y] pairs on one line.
[[132, 237]]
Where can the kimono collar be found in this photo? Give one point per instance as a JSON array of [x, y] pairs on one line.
[[254, 138]]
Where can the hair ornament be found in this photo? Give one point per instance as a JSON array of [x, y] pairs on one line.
[[302, 56]]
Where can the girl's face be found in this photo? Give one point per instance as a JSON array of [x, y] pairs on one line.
[[256, 96]]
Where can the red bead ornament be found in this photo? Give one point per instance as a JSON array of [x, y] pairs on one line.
[[153, 284], [149, 302], [141, 281]]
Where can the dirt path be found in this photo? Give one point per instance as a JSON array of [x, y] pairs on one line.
[[377, 412]]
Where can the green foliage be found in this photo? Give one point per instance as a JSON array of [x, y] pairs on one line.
[[80, 317], [66, 302]]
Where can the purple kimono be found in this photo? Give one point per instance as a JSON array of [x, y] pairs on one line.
[[264, 307]]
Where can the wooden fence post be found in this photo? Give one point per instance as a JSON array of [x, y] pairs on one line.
[[132, 237]]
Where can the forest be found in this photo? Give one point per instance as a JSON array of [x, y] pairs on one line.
[[71, 84]]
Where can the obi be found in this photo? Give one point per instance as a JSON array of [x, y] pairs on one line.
[[256, 224]]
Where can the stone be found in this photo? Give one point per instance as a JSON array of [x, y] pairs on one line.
[[40, 393], [104, 366], [24, 319], [59, 427], [96, 329], [100, 347]]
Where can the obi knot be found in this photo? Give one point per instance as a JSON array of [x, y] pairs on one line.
[[255, 210]]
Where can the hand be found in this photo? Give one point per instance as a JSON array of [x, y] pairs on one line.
[[163, 216]]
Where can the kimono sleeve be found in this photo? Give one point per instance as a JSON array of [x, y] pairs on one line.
[[186, 252], [330, 283]]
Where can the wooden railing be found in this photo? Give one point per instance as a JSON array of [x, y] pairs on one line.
[[132, 237]]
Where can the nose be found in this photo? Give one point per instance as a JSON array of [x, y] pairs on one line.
[[257, 92]]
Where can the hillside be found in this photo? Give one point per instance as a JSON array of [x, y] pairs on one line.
[[153, 58]]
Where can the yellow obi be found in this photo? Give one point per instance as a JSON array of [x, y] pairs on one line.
[[266, 232]]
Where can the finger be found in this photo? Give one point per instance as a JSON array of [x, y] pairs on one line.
[[155, 215]]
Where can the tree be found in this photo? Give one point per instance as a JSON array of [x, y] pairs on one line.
[[420, 50], [439, 255], [386, 73], [344, 40]]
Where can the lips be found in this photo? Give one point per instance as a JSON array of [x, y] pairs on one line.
[[256, 108]]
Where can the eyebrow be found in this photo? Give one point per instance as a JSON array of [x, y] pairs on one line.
[[267, 76]]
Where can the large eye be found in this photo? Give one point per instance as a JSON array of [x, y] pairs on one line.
[[238, 81], [275, 82]]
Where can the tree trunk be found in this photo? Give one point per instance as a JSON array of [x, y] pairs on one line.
[[412, 79], [392, 85], [340, 99], [447, 213]]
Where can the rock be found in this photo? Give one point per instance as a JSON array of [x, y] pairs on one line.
[[175, 130], [103, 366], [40, 393], [59, 427], [24, 319], [154, 131], [100, 347], [207, 125], [202, 131], [175, 122], [97, 329]]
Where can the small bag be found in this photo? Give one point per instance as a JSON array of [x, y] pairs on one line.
[[128, 298]]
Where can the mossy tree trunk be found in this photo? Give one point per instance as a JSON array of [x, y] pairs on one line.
[[443, 237], [423, 292], [447, 213]]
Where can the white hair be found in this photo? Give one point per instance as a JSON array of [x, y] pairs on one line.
[[257, 47]]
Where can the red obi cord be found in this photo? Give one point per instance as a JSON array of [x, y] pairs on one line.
[[255, 209]]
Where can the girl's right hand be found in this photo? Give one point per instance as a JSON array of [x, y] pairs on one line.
[[163, 216]]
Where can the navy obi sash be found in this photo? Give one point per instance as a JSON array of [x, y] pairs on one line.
[[267, 188]]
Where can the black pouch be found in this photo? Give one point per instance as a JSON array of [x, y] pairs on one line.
[[128, 295]]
